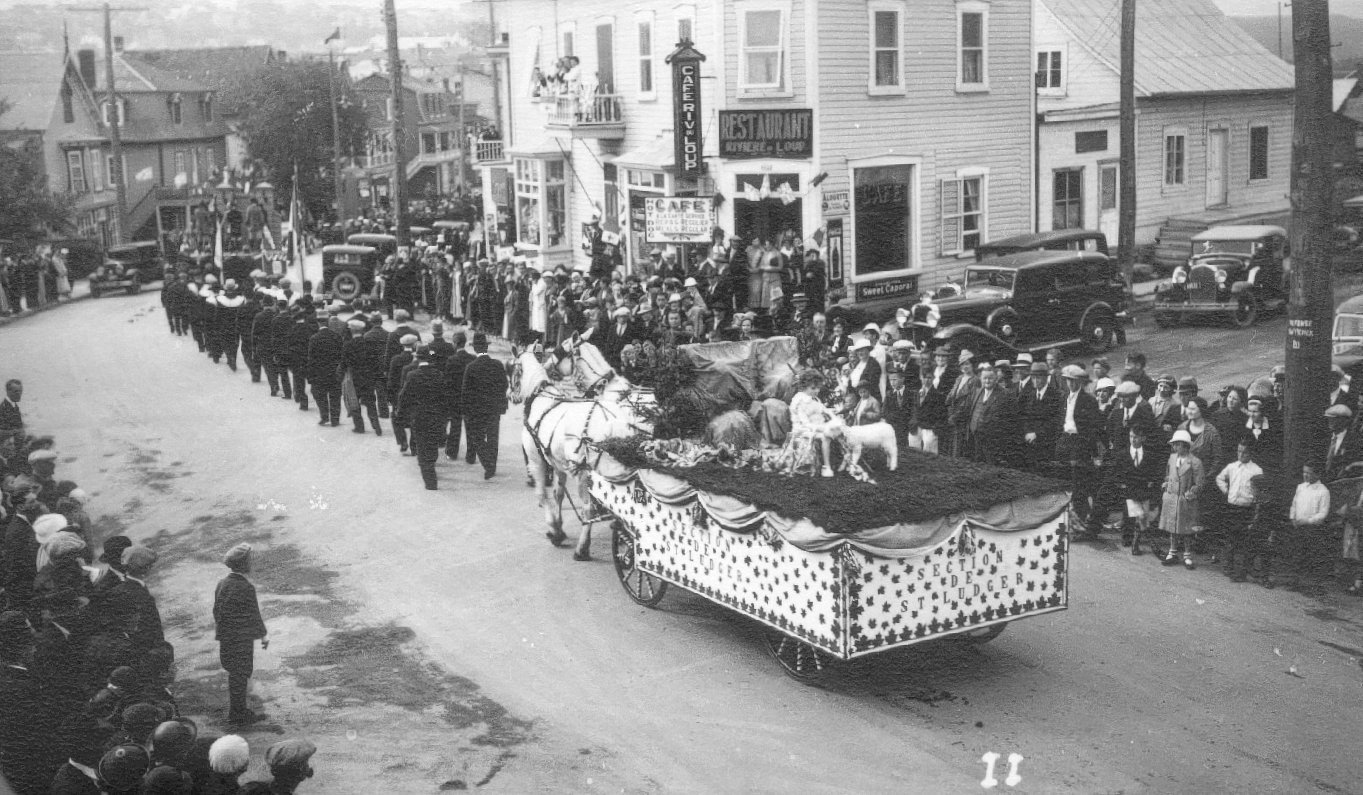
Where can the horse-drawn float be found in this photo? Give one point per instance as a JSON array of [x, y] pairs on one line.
[[832, 568]]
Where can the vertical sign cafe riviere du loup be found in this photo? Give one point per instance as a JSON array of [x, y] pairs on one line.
[[686, 113]]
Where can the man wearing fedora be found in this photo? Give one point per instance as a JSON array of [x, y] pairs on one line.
[[236, 612]]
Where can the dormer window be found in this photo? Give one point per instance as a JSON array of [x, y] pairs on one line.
[[176, 109], [122, 112]]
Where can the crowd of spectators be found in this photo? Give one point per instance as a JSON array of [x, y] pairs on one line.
[[87, 697], [32, 280]]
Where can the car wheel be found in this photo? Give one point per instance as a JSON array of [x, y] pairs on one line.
[[1097, 330], [1006, 329], [345, 286], [1246, 311]]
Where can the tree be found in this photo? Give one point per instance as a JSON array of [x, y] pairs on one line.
[[289, 125], [27, 208]]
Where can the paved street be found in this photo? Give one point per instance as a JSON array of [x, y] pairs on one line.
[[431, 641]]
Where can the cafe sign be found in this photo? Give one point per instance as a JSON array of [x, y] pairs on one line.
[[678, 219], [757, 134], [686, 112]]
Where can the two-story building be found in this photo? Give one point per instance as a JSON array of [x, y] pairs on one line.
[[51, 110], [1213, 120], [174, 142], [895, 136], [434, 120]]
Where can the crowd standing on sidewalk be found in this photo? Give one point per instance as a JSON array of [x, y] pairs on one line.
[[31, 281], [87, 677]]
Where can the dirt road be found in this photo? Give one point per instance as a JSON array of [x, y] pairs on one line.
[[434, 641]]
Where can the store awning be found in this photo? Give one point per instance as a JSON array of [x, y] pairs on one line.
[[656, 155]]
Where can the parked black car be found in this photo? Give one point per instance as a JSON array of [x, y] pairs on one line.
[[128, 267], [1233, 271], [1055, 240], [348, 271], [1039, 299]]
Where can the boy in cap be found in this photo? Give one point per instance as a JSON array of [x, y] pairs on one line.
[[290, 764], [236, 612]]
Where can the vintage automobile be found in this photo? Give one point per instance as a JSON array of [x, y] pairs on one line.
[[1235, 272], [128, 267], [348, 271], [1055, 240], [1037, 299], [1347, 336], [386, 245]]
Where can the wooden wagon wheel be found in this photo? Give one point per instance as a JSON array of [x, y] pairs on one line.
[[983, 634], [801, 661], [641, 586]]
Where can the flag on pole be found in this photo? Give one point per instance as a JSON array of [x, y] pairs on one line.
[[217, 246], [335, 35], [296, 225]]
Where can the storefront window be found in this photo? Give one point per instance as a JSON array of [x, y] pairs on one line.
[[883, 216], [554, 202], [541, 202]]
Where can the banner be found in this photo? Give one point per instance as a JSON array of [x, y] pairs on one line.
[[678, 219]]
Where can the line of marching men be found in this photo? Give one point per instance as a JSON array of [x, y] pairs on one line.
[[434, 393]]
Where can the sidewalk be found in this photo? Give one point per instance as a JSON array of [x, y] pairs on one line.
[[79, 291]]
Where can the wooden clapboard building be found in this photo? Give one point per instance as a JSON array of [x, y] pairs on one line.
[[894, 135]]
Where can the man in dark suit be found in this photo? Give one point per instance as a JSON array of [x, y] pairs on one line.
[[1342, 395], [454, 368], [1039, 407], [1130, 410], [377, 336], [396, 366], [326, 350], [404, 319], [423, 406], [11, 417], [239, 625], [619, 333], [303, 326], [991, 425], [897, 409], [442, 347], [1080, 429], [132, 606], [1344, 447], [363, 359], [484, 403], [265, 336]]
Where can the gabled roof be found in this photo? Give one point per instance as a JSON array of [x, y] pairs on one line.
[[1182, 46], [30, 83], [132, 75], [221, 69]]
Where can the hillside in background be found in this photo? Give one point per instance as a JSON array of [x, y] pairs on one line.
[[1346, 31]]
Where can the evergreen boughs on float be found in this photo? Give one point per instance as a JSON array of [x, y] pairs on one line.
[[924, 487]]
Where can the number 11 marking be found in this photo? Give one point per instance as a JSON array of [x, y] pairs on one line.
[[1012, 779]]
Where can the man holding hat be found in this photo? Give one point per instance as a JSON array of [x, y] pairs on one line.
[[290, 764], [236, 613], [484, 403], [424, 407], [1344, 448]]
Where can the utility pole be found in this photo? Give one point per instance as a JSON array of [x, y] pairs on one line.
[[1310, 300], [1281, 6], [116, 174], [390, 21], [1126, 168], [496, 73], [335, 136], [463, 139]]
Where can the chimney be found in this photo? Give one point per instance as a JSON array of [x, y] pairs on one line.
[[118, 44], [85, 63]]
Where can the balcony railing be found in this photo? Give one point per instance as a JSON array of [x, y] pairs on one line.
[[595, 116], [488, 151]]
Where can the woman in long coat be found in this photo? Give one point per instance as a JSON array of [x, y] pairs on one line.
[[539, 303], [1184, 479]]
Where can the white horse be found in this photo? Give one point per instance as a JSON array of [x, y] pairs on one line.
[[559, 425]]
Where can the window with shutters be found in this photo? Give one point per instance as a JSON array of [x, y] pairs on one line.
[[884, 200], [1258, 153], [886, 42], [75, 171], [972, 39], [963, 212]]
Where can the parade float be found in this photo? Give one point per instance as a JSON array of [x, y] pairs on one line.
[[832, 568]]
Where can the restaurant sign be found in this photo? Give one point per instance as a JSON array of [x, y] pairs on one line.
[[886, 288], [756, 134], [678, 219]]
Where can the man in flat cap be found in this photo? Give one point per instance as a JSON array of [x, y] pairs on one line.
[[290, 764], [397, 366], [1344, 448], [236, 612], [326, 349]]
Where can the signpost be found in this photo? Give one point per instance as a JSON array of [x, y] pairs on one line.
[[686, 113], [678, 219]]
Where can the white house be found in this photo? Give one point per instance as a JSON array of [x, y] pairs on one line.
[[1213, 116]]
